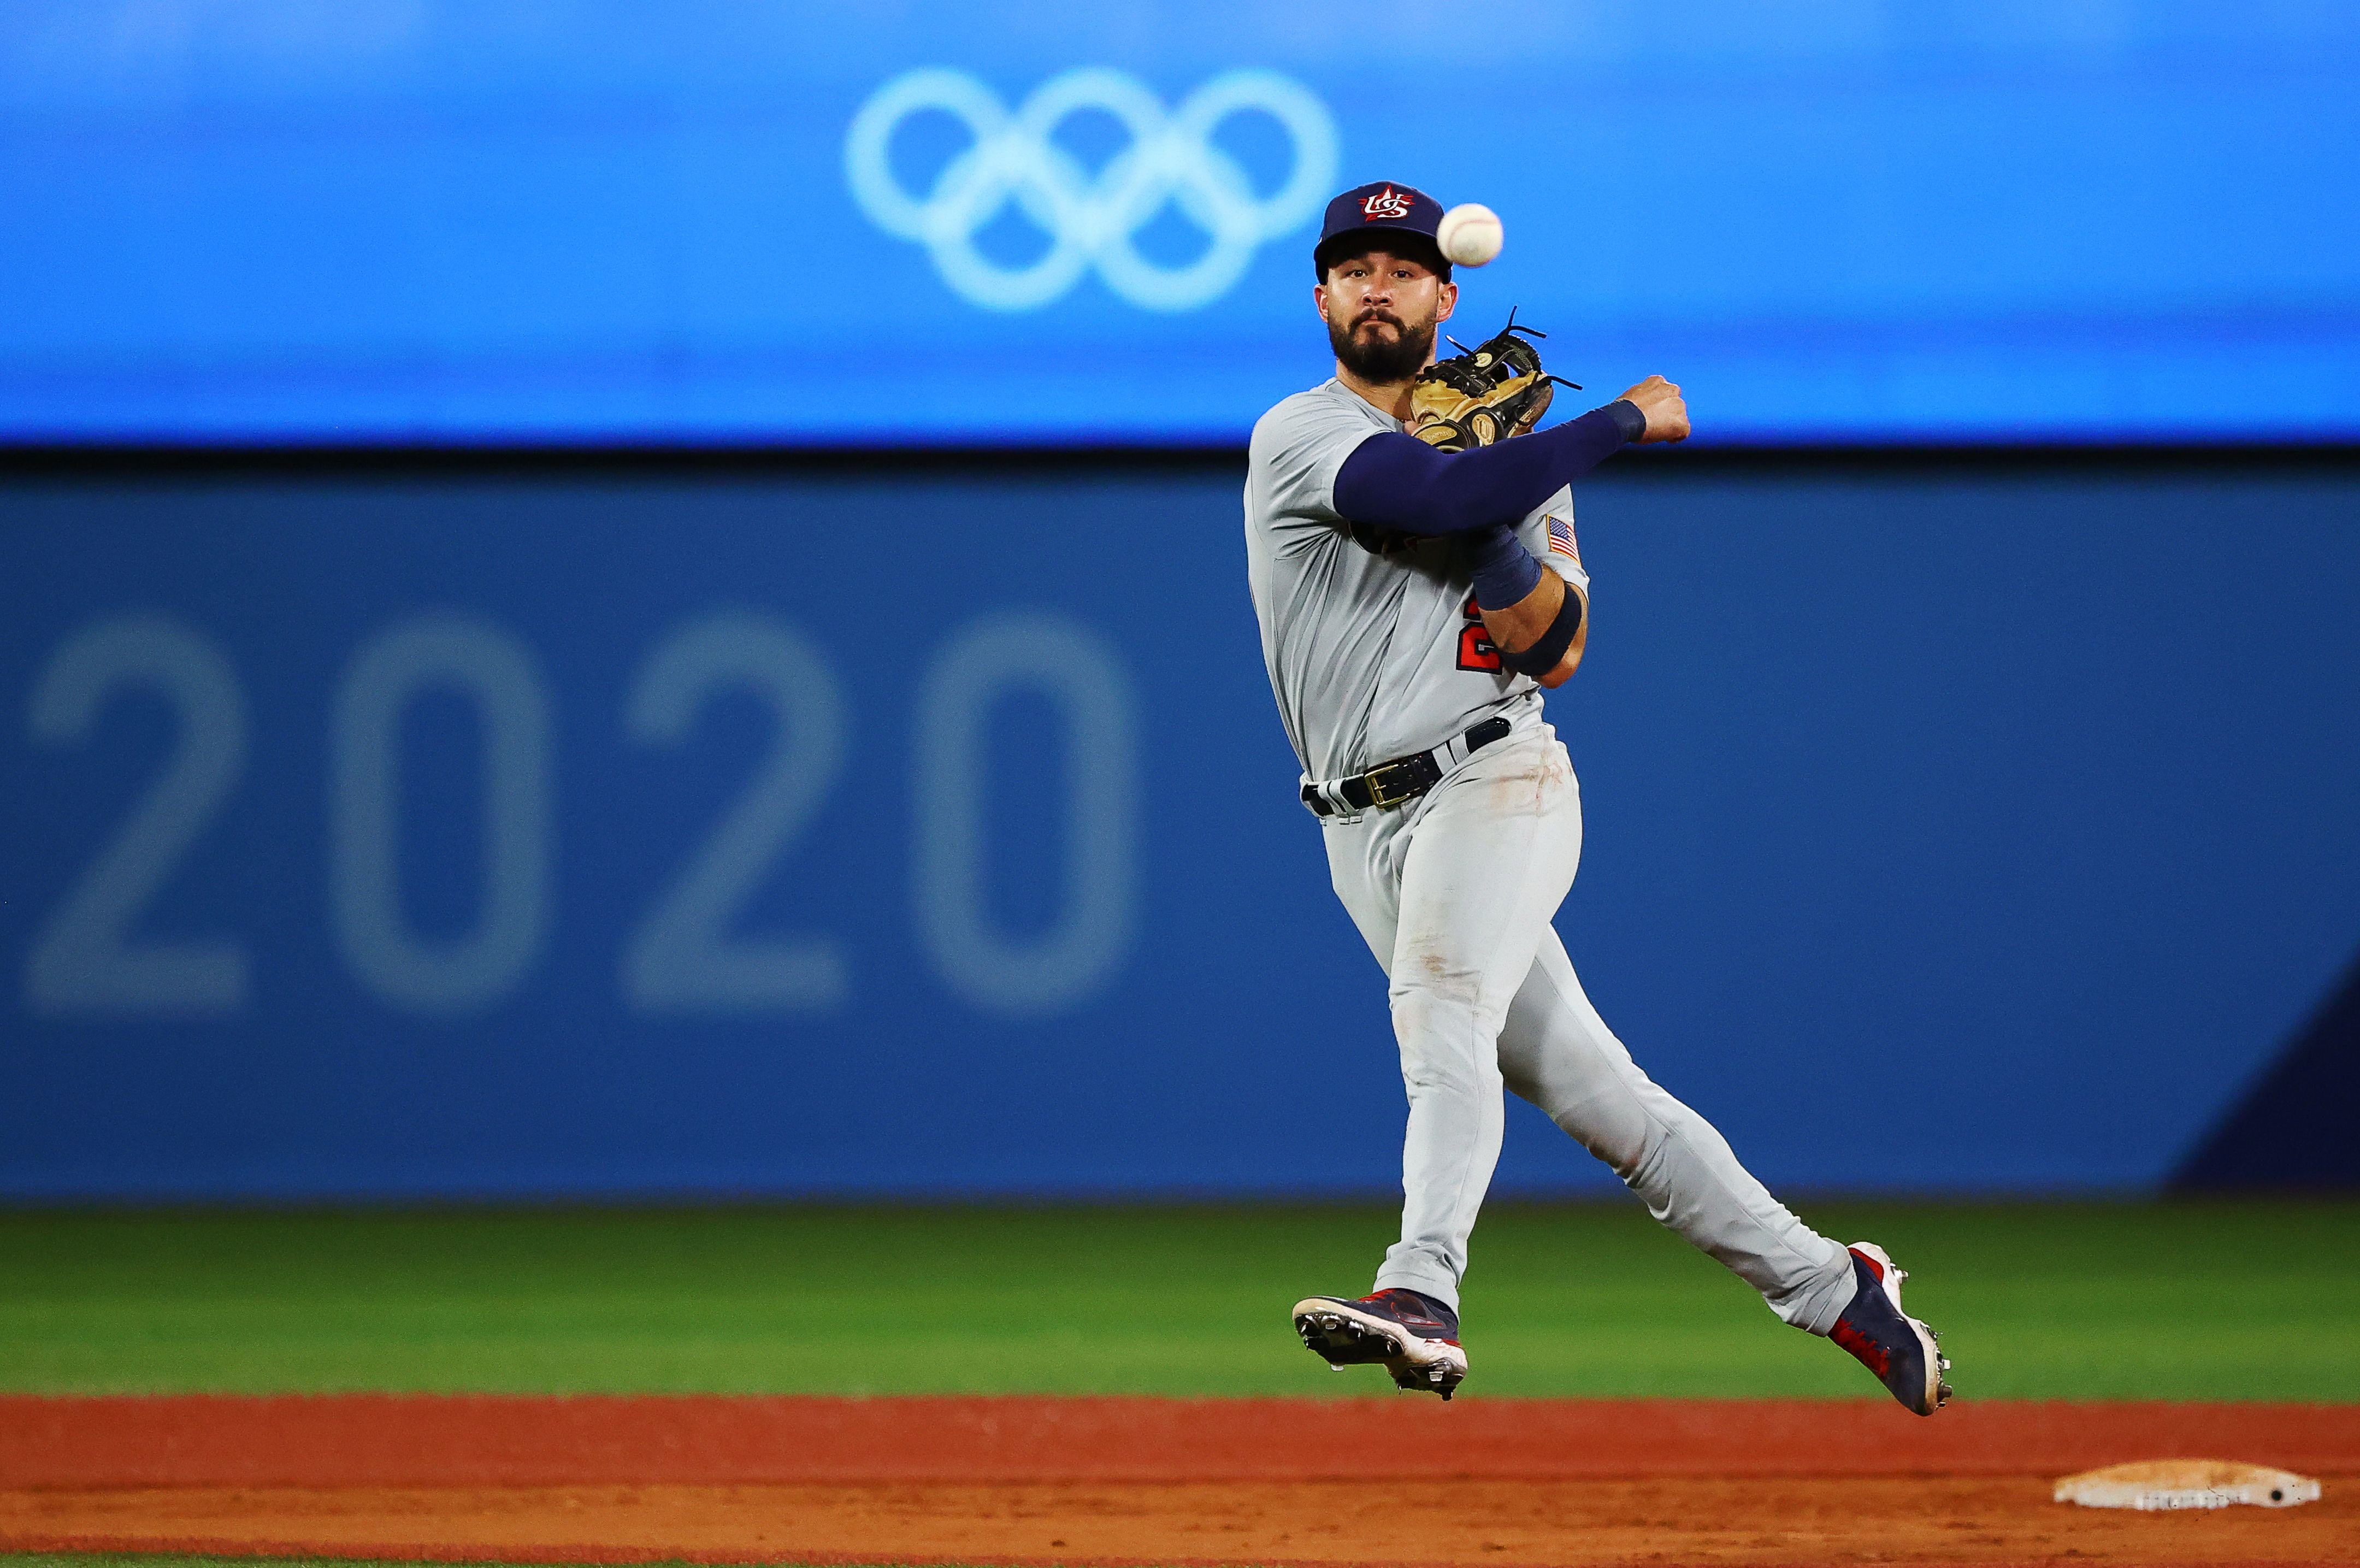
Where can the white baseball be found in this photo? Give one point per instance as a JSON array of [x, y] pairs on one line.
[[1469, 235]]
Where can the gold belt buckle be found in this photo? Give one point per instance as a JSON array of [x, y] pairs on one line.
[[1378, 795]]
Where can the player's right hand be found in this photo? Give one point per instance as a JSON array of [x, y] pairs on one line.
[[1666, 410]]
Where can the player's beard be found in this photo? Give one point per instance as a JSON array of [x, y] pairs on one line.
[[1380, 361]]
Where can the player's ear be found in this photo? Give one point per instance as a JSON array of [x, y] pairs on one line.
[[1445, 301], [1319, 300]]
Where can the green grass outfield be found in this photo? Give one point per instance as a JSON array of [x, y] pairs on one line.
[[2214, 1301]]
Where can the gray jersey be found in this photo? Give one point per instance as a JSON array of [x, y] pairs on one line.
[[1373, 654]]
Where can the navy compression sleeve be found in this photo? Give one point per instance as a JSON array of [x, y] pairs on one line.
[[1396, 481]]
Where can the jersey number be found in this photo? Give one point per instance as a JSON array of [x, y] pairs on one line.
[[1476, 650]]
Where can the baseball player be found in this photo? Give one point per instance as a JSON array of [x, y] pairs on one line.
[[1413, 602]]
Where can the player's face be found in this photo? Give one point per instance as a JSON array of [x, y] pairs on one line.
[[1382, 311]]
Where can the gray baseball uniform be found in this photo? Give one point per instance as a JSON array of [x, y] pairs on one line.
[[1375, 651]]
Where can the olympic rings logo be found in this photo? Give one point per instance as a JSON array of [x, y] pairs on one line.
[[1091, 220]]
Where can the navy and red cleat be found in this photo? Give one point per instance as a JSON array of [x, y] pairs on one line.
[[1413, 1336], [1900, 1349]]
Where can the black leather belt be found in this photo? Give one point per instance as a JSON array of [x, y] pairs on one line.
[[1405, 778]]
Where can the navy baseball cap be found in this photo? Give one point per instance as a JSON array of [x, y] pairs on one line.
[[1388, 205]]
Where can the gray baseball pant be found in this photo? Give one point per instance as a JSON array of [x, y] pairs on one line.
[[1454, 894]]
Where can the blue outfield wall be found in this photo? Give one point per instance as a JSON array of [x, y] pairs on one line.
[[831, 832], [1079, 223]]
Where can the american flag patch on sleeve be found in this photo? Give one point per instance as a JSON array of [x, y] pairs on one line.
[[1560, 537]]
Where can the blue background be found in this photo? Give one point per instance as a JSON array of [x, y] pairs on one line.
[[1961, 829], [421, 220]]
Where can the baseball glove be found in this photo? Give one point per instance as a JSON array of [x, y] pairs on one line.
[[1483, 394]]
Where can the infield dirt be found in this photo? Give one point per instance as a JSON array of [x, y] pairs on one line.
[[972, 1480]]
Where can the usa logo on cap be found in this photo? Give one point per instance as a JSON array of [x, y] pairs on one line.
[[1378, 206]]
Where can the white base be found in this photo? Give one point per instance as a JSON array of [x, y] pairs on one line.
[[2163, 1485]]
